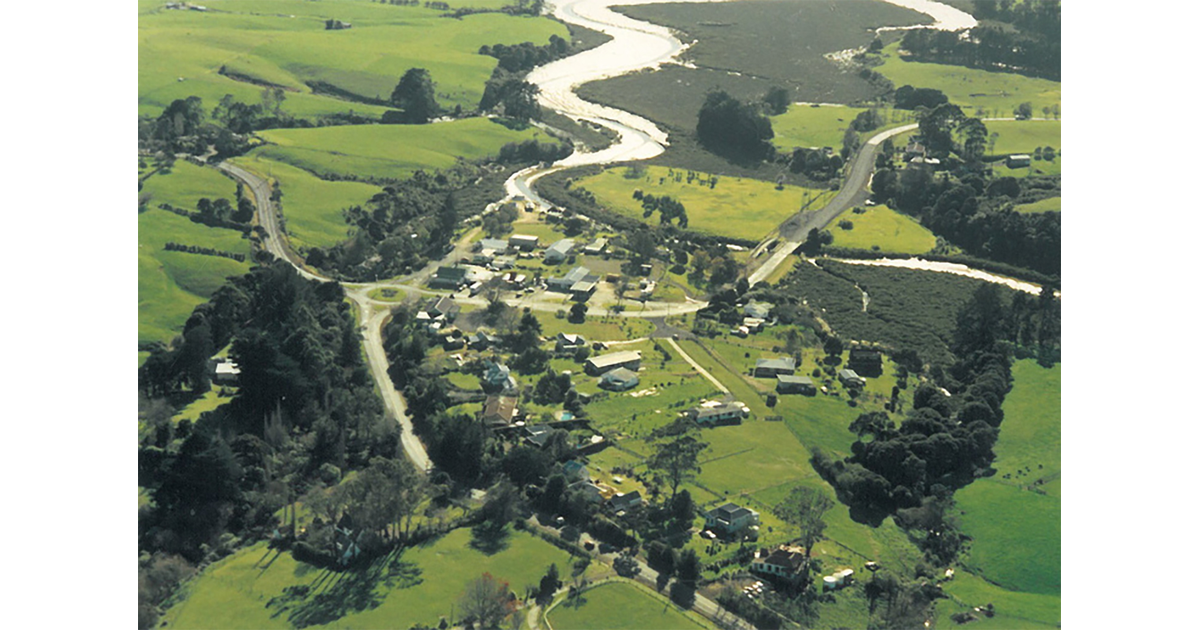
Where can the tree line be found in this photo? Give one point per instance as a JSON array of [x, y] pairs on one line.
[[171, 246]]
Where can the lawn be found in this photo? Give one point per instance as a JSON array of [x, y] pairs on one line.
[[284, 43], [390, 151], [740, 208], [882, 228], [1015, 515], [170, 283], [1023, 136], [426, 584], [825, 125], [621, 606], [996, 93]]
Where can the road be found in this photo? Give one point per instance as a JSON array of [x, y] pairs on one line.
[[703, 372]]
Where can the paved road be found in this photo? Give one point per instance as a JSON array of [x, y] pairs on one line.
[[703, 372]]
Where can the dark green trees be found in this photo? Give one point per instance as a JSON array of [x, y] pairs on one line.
[[730, 127], [416, 96]]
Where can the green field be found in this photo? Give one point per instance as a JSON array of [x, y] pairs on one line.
[[1015, 515], [884, 229], [825, 125], [1049, 204], [171, 284], [390, 151], [996, 93], [428, 581], [620, 606], [738, 208], [284, 43]]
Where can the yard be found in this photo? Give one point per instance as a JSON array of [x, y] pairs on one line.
[[622, 605], [881, 228]]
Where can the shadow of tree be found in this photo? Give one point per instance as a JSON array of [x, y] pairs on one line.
[[490, 538], [335, 595]]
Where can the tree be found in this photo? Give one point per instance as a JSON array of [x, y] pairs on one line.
[[687, 569], [676, 458], [487, 600], [578, 312], [1023, 111], [682, 507], [777, 100], [975, 138], [416, 96], [805, 508], [549, 584], [726, 125]]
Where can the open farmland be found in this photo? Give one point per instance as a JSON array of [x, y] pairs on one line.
[[996, 93], [390, 151], [739, 208], [172, 283], [416, 585], [241, 45], [1049, 204], [882, 228]]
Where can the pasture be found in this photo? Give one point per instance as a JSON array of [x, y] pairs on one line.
[[390, 151], [1015, 515], [881, 228], [238, 46], [804, 125], [621, 606], [734, 207], [1049, 204], [416, 586], [171, 283], [995, 93]]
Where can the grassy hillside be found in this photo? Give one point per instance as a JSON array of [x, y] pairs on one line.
[[171, 284], [284, 43], [419, 585], [735, 207], [390, 150], [825, 125]]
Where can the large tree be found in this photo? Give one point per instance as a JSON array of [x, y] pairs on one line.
[[488, 601], [415, 94], [677, 454], [805, 508], [728, 126]]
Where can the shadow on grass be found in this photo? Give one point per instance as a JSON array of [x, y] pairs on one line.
[[335, 595], [575, 599], [490, 538]]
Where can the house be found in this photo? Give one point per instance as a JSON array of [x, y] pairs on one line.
[[581, 291], [791, 384], [1017, 161], [575, 469], [784, 562], [624, 501], [497, 378], [718, 412], [482, 341], [523, 242], [758, 310], [448, 278], [442, 307], [619, 380], [838, 579], [564, 284], [768, 368], [866, 360], [590, 491], [500, 263], [538, 434], [494, 245], [596, 247], [913, 149], [499, 411], [558, 252], [850, 378], [225, 372], [566, 343], [730, 519], [630, 359], [753, 325]]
